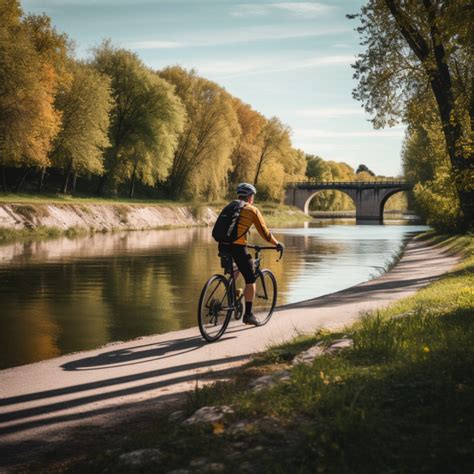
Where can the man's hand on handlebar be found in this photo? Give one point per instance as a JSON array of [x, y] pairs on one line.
[[280, 248]]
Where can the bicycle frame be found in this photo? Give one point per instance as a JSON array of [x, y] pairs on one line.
[[257, 273]]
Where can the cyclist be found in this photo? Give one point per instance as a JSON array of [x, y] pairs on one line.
[[249, 215]]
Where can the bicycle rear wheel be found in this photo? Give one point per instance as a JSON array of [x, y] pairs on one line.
[[265, 297], [213, 310]]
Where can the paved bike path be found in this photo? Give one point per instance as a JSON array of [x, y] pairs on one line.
[[40, 401]]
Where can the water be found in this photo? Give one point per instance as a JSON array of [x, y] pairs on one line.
[[65, 295]]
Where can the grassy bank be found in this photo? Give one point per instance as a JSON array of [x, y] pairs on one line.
[[400, 400], [18, 198], [279, 215], [31, 205]]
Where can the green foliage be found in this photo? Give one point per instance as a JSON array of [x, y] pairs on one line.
[[147, 117], [202, 160], [364, 169], [85, 105]]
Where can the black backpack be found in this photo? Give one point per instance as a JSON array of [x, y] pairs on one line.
[[225, 228]]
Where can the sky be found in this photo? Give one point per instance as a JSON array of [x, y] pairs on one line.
[[291, 59]]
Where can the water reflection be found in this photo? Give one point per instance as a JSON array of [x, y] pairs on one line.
[[67, 295]]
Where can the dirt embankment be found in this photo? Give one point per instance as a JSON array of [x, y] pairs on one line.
[[101, 217]]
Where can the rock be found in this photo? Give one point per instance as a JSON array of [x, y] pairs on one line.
[[208, 415], [198, 462], [309, 355], [319, 350], [176, 416], [339, 345], [269, 380], [140, 456], [247, 467], [243, 426], [214, 467]]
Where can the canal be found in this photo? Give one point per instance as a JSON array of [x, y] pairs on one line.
[[68, 295]]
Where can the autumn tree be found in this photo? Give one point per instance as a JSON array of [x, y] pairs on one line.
[[146, 117], [202, 160], [275, 142], [29, 77], [84, 105], [417, 49], [247, 151]]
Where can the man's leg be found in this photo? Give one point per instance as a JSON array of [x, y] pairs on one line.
[[245, 264], [249, 294]]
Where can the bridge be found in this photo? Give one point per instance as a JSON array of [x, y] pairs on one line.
[[369, 196]]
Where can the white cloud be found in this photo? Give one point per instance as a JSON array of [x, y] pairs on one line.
[[302, 9], [329, 112], [313, 133], [156, 44], [264, 65], [237, 36]]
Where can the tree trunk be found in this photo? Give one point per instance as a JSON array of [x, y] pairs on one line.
[[74, 180], [132, 185], [41, 179], [4, 180], [257, 173], [22, 181], [102, 183], [66, 180]]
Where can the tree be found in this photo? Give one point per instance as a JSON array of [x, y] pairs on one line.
[[315, 168], [246, 152], [85, 107], [364, 169], [202, 160], [28, 82], [275, 143], [419, 47], [146, 117]]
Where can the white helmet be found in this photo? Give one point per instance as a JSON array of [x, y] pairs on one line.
[[246, 189]]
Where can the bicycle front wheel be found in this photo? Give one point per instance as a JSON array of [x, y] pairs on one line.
[[265, 297], [214, 310]]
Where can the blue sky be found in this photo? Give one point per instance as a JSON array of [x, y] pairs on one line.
[[290, 59]]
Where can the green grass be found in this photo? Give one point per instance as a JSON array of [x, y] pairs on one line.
[[278, 215], [400, 400], [14, 198]]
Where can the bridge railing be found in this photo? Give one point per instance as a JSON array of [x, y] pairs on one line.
[[348, 183]]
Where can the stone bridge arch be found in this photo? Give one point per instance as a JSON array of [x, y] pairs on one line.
[[369, 197], [313, 194]]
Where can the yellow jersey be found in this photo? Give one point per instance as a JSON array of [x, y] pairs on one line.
[[250, 215]]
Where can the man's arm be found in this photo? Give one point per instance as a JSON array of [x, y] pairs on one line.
[[263, 229]]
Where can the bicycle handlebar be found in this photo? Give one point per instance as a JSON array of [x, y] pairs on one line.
[[258, 248]]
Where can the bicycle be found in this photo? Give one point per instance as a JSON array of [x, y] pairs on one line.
[[219, 298]]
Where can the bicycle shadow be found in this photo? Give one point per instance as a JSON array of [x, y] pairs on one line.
[[138, 354]]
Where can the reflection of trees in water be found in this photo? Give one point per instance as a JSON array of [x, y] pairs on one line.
[[99, 245], [117, 291]]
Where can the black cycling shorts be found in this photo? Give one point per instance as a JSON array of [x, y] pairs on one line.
[[242, 259]]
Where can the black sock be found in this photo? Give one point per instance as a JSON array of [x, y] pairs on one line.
[[248, 307]]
